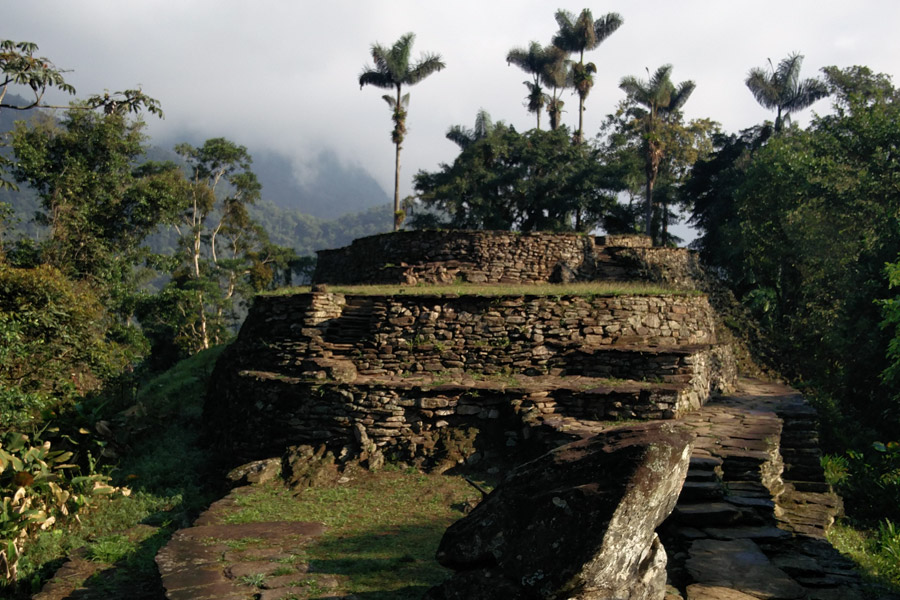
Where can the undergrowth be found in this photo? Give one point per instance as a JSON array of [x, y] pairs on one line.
[[161, 466]]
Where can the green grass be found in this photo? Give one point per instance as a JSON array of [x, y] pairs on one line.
[[256, 580], [164, 471], [382, 533], [876, 551], [586, 289]]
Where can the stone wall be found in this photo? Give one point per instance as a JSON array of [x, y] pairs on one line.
[[257, 414], [413, 257], [651, 337], [412, 370]]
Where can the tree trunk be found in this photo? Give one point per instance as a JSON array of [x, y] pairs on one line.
[[579, 136], [204, 335], [397, 188], [665, 224], [397, 143]]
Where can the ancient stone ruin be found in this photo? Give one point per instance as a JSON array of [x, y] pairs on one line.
[[614, 410]]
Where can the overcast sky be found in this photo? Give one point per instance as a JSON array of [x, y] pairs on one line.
[[284, 74]]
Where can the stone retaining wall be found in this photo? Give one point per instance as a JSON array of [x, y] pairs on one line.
[[309, 368], [263, 413], [525, 334], [415, 257]]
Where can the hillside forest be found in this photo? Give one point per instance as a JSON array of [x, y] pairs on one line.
[[118, 258]]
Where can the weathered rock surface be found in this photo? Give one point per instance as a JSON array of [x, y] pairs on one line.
[[578, 522], [740, 565], [210, 561]]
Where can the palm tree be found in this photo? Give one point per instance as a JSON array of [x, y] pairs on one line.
[[575, 35], [392, 70], [533, 60], [465, 137], [782, 90], [556, 75], [655, 103]]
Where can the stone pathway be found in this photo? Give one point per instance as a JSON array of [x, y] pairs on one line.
[[246, 561], [751, 519], [749, 523], [752, 515]]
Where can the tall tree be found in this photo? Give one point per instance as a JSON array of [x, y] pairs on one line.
[[655, 103], [533, 60], [97, 205], [557, 76], [216, 233], [465, 137], [392, 69], [781, 89], [576, 35]]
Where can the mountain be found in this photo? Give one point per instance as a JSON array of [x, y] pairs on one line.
[[327, 189], [332, 205], [323, 186]]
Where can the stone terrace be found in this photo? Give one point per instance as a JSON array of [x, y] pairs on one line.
[[749, 524], [414, 257], [445, 380], [315, 367]]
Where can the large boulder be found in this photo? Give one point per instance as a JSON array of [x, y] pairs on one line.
[[577, 522]]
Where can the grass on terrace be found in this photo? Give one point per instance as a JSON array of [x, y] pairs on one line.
[[383, 530], [586, 289]]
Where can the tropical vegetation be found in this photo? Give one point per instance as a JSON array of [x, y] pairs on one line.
[[392, 70], [131, 264]]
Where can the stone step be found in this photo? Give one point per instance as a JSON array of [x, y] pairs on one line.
[[705, 462], [701, 475], [748, 489], [740, 565], [706, 514], [699, 491], [762, 534]]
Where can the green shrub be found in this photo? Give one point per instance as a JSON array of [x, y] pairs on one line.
[[871, 483]]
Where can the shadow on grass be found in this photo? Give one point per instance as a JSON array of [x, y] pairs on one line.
[[134, 576], [397, 563], [414, 592]]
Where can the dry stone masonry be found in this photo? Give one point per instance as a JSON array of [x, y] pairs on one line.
[[445, 380], [311, 367], [415, 257]]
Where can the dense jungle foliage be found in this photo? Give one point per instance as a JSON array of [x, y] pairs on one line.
[[113, 267]]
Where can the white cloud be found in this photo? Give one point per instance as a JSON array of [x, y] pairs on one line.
[[283, 75]]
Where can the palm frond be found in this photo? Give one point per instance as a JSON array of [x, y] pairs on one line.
[[460, 136], [762, 87], [659, 79], [398, 57], [606, 25], [531, 59], [680, 96], [428, 64], [807, 93], [787, 75], [483, 124], [371, 76], [634, 87]]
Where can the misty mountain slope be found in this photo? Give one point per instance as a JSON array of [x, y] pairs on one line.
[[306, 233], [326, 188]]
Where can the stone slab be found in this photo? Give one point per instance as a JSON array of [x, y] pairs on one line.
[[740, 565]]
